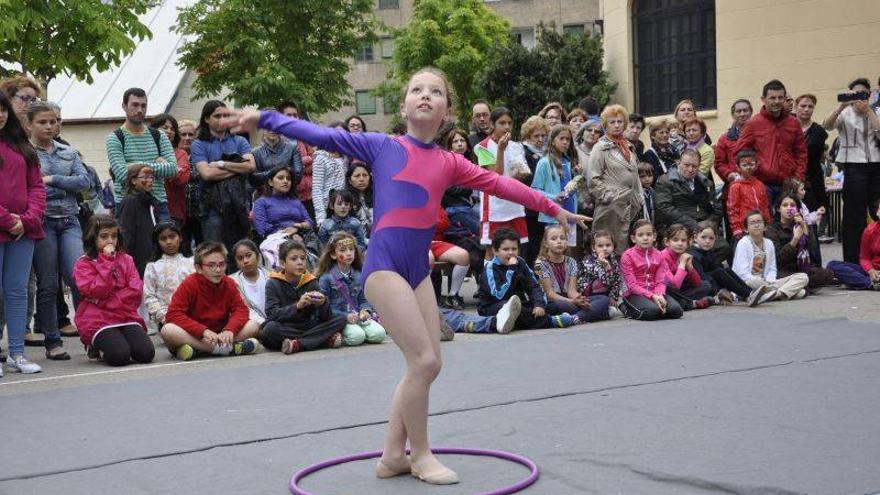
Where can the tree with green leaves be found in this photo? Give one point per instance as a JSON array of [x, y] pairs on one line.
[[268, 51], [45, 38], [456, 36], [561, 67]]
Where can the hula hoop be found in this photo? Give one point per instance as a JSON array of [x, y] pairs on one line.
[[500, 454]]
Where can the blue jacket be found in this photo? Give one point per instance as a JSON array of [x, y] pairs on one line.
[[349, 224], [344, 292], [69, 177], [273, 213], [548, 182]]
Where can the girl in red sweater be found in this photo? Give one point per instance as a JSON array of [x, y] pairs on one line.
[[684, 283], [110, 293], [206, 313], [645, 274]]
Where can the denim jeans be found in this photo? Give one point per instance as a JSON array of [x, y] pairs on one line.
[[55, 254], [464, 216], [161, 212], [15, 257], [598, 310], [212, 226], [458, 321]]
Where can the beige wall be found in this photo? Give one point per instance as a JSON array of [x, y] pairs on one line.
[[89, 139], [522, 14], [812, 46]]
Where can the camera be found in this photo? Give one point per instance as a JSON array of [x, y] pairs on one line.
[[847, 97]]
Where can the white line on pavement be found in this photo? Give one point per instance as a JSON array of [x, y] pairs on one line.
[[102, 372]]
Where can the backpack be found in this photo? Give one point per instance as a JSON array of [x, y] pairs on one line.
[[153, 132]]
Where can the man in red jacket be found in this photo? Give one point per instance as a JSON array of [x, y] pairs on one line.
[[206, 313], [777, 138]]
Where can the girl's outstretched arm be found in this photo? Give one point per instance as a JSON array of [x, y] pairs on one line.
[[469, 175], [362, 145]]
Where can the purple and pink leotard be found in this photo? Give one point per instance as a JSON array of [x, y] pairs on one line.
[[409, 178]]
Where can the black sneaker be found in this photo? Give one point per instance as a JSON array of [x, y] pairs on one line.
[[2, 356], [456, 302]]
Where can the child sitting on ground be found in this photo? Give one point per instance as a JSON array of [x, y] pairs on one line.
[[715, 272], [645, 273], [599, 275], [745, 194], [646, 177], [865, 275], [110, 291], [798, 191], [507, 286], [298, 316], [558, 277], [251, 278], [342, 219], [684, 283], [206, 314], [339, 279], [755, 263], [165, 273]]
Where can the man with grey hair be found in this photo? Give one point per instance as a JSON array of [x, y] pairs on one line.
[[686, 196]]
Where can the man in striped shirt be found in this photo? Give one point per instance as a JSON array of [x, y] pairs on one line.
[[139, 146]]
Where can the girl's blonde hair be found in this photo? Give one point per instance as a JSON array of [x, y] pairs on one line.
[[326, 262], [430, 70], [553, 153], [544, 252]]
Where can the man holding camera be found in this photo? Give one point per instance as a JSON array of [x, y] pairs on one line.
[[858, 127]]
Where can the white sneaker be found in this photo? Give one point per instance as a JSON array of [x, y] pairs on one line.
[[507, 315], [614, 312], [1, 371], [20, 364], [222, 350]]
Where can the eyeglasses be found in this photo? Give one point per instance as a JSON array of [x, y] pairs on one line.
[[217, 265], [28, 98], [145, 177]]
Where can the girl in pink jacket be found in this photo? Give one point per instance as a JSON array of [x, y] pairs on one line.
[[645, 274], [684, 283], [110, 294]]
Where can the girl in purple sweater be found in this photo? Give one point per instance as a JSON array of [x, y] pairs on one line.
[[410, 174], [22, 203]]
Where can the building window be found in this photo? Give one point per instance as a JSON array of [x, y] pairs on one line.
[[365, 53], [389, 4], [523, 36], [674, 54], [365, 102], [387, 46], [390, 105], [573, 29]]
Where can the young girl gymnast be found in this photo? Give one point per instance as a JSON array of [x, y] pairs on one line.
[[410, 174]]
